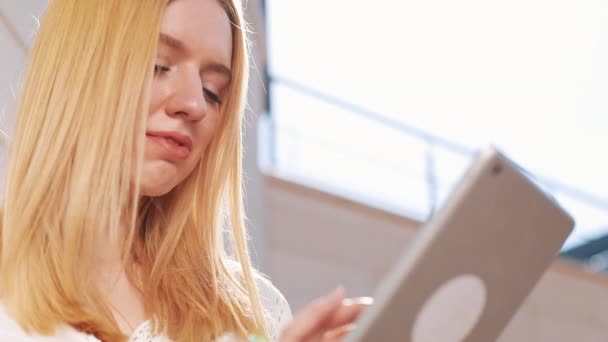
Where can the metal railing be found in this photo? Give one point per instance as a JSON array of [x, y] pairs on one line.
[[432, 142]]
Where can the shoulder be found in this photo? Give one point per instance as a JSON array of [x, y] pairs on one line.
[[277, 308], [10, 330], [273, 300]]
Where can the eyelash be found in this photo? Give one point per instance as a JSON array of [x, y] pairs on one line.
[[161, 69]]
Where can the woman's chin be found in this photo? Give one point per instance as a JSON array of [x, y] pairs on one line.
[[158, 178], [154, 187], [154, 191]]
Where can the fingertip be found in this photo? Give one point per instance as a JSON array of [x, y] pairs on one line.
[[339, 292], [334, 299]]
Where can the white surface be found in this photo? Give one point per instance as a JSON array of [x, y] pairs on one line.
[[528, 76], [23, 15]]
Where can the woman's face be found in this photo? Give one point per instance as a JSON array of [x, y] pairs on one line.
[[191, 75]]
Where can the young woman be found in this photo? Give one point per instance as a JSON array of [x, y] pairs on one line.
[[125, 179]]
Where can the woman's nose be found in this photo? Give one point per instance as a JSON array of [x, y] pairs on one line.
[[188, 98]]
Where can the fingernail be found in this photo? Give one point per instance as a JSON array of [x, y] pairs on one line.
[[358, 300]]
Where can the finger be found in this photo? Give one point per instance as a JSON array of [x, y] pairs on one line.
[[349, 311], [312, 318], [339, 333]]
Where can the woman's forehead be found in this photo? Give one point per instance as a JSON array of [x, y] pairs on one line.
[[202, 26]]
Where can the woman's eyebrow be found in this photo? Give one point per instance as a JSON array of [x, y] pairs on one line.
[[218, 68], [180, 47], [172, 42]]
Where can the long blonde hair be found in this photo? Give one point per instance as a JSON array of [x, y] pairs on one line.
[[73, 182]]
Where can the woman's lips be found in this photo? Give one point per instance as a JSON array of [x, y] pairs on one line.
[[171, 148]]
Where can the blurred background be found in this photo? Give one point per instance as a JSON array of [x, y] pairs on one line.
[[364, 115]]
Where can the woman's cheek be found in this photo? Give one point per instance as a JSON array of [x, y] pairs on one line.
[[157, 96]]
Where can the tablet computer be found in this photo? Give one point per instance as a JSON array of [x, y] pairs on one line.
[[473, 263]]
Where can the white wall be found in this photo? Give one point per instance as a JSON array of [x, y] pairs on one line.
[[318, 241], [17, 23]]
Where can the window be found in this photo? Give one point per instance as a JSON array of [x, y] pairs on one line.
[[384, 102]]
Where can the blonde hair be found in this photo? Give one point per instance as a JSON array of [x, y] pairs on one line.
[[77, 147]]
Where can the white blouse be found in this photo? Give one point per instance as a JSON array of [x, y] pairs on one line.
[[272, 299]]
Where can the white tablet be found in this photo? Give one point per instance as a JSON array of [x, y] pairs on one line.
[[473, 263]]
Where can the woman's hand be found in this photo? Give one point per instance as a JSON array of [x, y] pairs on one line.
[[327, 319]]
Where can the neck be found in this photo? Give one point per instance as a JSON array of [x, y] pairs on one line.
[[123, 297], [108, 260], [108, 273], [114, 281]]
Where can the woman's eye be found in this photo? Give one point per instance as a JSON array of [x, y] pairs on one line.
[[213, 96], [159, 69]]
